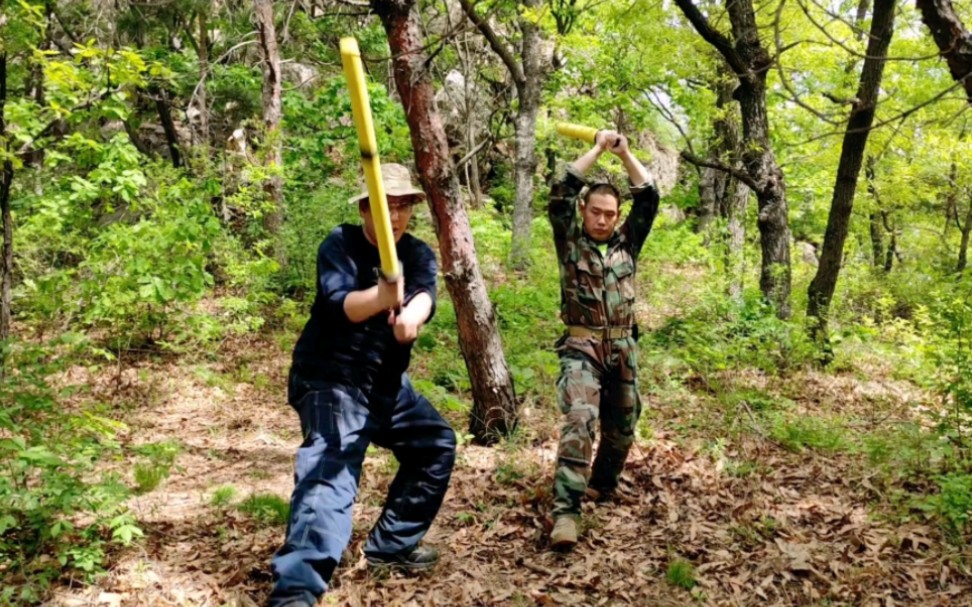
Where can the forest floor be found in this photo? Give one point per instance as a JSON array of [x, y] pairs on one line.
[[716, 509]]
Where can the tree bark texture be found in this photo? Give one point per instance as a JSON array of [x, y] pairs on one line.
[[892, 231], [528, 77], [750, 62], [6, 178], [164, 110], [272, 112], [875, 217], [953, 40], [821, 290], [475, 189], [728, 196], [494, 403], [963, 256], [738, 200], [202, 101], [877, 239], [714, 183]]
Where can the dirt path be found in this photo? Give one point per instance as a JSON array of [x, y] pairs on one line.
[[758, 524]]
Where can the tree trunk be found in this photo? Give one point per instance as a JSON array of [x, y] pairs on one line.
[[963, 256], [272, 112], [731, 196], [760, 162], [203, 75], [469, 110], [6, 178], [750, 62], [528, 78], [494, 403], [892, 251], [35, 82], [714, 184], [822, 286], [736, 238], [168, 125], [953, 40], [877, 239], [708, 177], [876, 223], [525, 166]]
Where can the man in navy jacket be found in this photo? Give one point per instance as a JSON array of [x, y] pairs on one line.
[[349, 385]]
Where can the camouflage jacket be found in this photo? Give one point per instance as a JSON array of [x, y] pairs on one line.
[[598, 290]]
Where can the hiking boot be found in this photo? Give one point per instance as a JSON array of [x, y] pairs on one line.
[[293, 603], [423, 557], [564, 534]]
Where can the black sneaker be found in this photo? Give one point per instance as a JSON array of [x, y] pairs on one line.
[[423, 557]]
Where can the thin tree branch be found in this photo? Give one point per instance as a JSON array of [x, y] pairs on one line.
[[516, 71], [740, 175], [843, 45], [472, 153], [669, 116], [209, 69], [713, 37], [903, 115]]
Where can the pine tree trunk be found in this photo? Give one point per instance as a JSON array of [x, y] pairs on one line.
[[272, 112], [822, 286], [494, 404]]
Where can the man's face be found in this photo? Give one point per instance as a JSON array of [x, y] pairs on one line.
[[600, 215], [399, 211]]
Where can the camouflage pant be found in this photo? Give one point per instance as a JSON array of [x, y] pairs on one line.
[[598, 380]]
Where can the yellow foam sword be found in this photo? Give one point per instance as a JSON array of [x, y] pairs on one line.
[[579, 131], [361, 111]]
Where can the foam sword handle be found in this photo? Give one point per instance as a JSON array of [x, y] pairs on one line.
[[370, 162], [577, 131]]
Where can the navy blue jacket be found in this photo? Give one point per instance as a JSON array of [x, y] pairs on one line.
[[365, 354]]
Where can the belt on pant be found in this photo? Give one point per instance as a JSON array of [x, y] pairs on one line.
[[600, 333]]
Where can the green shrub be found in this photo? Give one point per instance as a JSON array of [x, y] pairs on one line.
[[266, 508], [223, 496], [952, 505], [138, 277], [680, 574], [58, 514], [156, 465]]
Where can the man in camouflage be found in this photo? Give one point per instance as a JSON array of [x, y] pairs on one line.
[[598, 354]]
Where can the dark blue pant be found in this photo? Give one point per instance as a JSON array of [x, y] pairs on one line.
[[339, 422]]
